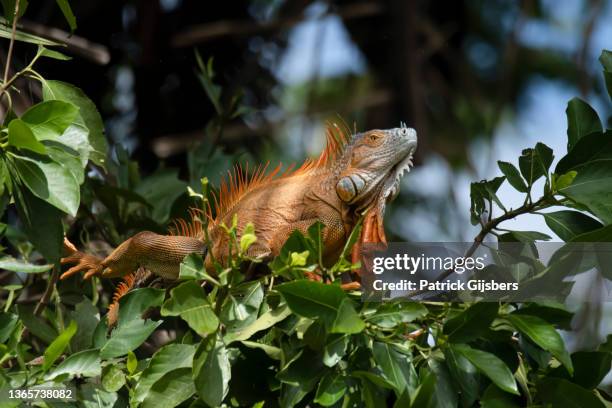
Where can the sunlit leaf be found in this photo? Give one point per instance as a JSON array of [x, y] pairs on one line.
[[57, 347]]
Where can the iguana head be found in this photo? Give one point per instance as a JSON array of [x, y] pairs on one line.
[[373, 164], [371, 168]]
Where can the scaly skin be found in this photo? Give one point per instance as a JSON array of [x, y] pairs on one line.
[[350, 178]]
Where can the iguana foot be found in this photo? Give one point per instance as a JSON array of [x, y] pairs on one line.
[[91, 265], [313, 276], [345, 286], [351, 286]]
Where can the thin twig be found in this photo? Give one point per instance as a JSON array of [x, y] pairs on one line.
[[44, 300], [487, 228], [13, 33]]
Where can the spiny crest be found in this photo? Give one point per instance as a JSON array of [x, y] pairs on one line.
[[191, 228], [239, 182], [122, 288]]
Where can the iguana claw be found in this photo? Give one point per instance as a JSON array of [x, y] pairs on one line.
[[91, 265]]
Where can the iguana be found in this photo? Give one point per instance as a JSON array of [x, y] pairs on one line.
[[353, 175]]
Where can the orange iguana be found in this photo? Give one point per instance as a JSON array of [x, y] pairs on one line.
[[351, 176]]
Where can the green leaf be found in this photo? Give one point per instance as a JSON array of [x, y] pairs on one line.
[[591, 367], [247, 238], [36, 325], [335, 349], [166, 359], [273, 352], [6, 32], [328, 303], [331, 388], [581, 121], [21, 137], [513, 176], [396, 367], [564, 180], [463, 374], [131, 363], [161, 190], [56, 348], [96, 145], [481, 191], [494, 397], [489, 365], [531, 166], [590, 149], [606, 61], [391, 314], [542, 334], [169, 391], [49, 181], [87, 318], [206, 75], [553, 313], [94, 396], [8, 322], [37, 215], [212, 370], [304, 369], [445, 394], [265, 321], [591, 188], [9, 9], [14, 265], [529, 236], [128, 337], [45, 52], [605, 346], [190, 303], [568, 224], [113, 378], [137, 301], [425, 391], [471, 323], [49, 119], [599, 235], [68, 160], [85, 363], [67, 12], [242, 305], [373, 394], [562, 393], [192, 267]]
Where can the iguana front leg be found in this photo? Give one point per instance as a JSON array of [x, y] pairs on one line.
[[161, 254]]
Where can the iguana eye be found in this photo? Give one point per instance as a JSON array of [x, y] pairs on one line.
[[374, 137], [404, 131]]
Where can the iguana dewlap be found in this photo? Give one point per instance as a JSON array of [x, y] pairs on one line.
[[352, 175]]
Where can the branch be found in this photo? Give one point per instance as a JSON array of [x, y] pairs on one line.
[[12, 43], [489, 227], [201, 33], [44, 300]]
